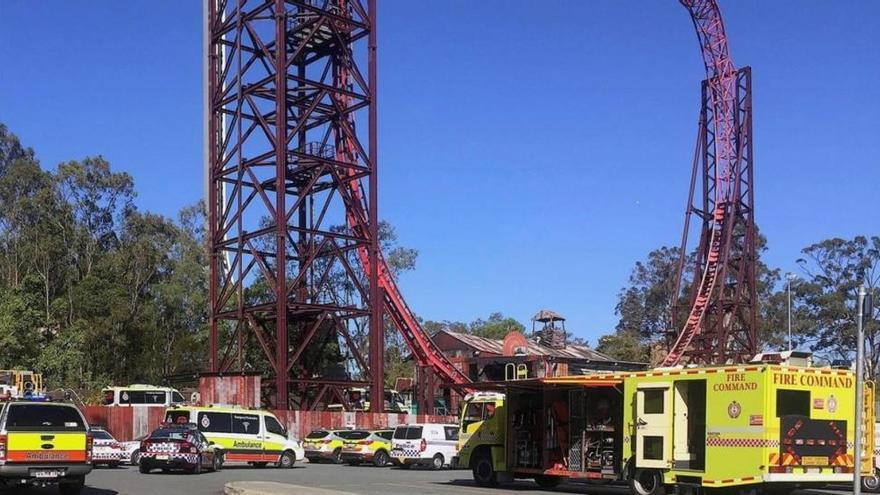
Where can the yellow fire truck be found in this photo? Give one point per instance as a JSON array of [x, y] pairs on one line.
[[749, 426]]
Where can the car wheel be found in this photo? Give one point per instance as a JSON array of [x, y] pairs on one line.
[[437, 462], [197, 469], [72, 488], [215, 463], [484, 472], [871, 483], [287, 460], [135, 457], [647, 482], [336, 456], [380, 459], [144, 469], [220, 460]]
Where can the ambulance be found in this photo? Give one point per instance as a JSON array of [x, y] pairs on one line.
[[44, 443], [242, 435], [768, 426]]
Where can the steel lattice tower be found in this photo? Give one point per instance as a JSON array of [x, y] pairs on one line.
[[728, 331], [292, 196]]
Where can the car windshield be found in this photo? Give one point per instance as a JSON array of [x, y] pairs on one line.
[[317, 434], [101, 435], [169, 434], [44, 417], [358, 435]]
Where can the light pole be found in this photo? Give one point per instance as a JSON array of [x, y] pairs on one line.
[[789, 277], [860, 371]]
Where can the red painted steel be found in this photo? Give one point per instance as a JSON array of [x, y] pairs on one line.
[[277, 189], [721, 323], [240, 390]]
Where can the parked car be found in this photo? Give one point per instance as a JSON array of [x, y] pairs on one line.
[[424, 444], [367, 446], [106, 450], [178, 446], [44, 443], [131, 450], [242, 435], [325, 445]]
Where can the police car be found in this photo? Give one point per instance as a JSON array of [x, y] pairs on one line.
[[424, 444], [178, 446]]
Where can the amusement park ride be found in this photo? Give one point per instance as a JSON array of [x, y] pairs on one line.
[[296, 267]]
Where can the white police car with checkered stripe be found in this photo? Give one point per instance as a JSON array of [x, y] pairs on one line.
[[424, 444]]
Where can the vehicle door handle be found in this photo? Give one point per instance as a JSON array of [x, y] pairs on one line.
[[641, 422]]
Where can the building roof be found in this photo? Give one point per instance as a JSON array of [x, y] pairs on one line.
[[493, 346]]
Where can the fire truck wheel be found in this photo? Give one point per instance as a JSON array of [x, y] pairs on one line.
[[549, 482], [484, 472], [871, 483], [647, 482]]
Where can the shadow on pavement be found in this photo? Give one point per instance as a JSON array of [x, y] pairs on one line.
[[528, 486], [52, 490]]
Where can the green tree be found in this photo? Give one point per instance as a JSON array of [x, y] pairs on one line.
[[826, 298], [625, 346]]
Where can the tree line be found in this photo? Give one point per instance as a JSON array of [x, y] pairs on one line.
[[823, 303], [92, 290]]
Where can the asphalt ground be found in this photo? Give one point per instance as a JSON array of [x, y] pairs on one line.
[[362, 480]]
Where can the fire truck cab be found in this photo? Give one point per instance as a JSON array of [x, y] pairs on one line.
[[775, 426]]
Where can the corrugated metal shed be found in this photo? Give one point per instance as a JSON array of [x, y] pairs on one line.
[[493, 346]]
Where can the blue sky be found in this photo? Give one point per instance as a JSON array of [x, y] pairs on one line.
[[531, 151]]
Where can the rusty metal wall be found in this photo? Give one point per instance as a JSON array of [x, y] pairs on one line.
[[241, 390], [128, 423]]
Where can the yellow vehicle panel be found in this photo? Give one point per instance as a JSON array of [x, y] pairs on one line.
[[46, 447]]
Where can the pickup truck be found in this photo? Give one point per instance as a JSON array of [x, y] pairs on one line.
[[44, 443]]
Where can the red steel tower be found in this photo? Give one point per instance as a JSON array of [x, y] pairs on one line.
[[721, 324], [292, 196]]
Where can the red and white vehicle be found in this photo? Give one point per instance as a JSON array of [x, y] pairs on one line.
[[182, 447], [106, 450]]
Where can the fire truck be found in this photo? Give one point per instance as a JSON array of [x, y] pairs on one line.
[[769, 426], [21, 384]]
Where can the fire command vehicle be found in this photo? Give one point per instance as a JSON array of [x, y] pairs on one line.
[[748, 426]]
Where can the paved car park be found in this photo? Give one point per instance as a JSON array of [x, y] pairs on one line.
[[353, 479]]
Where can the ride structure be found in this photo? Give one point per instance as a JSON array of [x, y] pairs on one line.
[[297, 278], [721, 323]]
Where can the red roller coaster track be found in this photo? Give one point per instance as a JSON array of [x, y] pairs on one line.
[[724, 277], [284, 155]]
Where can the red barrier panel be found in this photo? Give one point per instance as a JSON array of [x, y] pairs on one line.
[[128, 423]]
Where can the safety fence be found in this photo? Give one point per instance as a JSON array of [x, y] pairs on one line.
[[129, 423]]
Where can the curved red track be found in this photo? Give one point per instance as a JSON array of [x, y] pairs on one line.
[[721, 76], [721, 79]]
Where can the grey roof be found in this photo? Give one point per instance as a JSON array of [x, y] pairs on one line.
[[493, 346], [546, 315]]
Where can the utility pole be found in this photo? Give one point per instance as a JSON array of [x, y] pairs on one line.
[[860, 371], [789, 277]]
